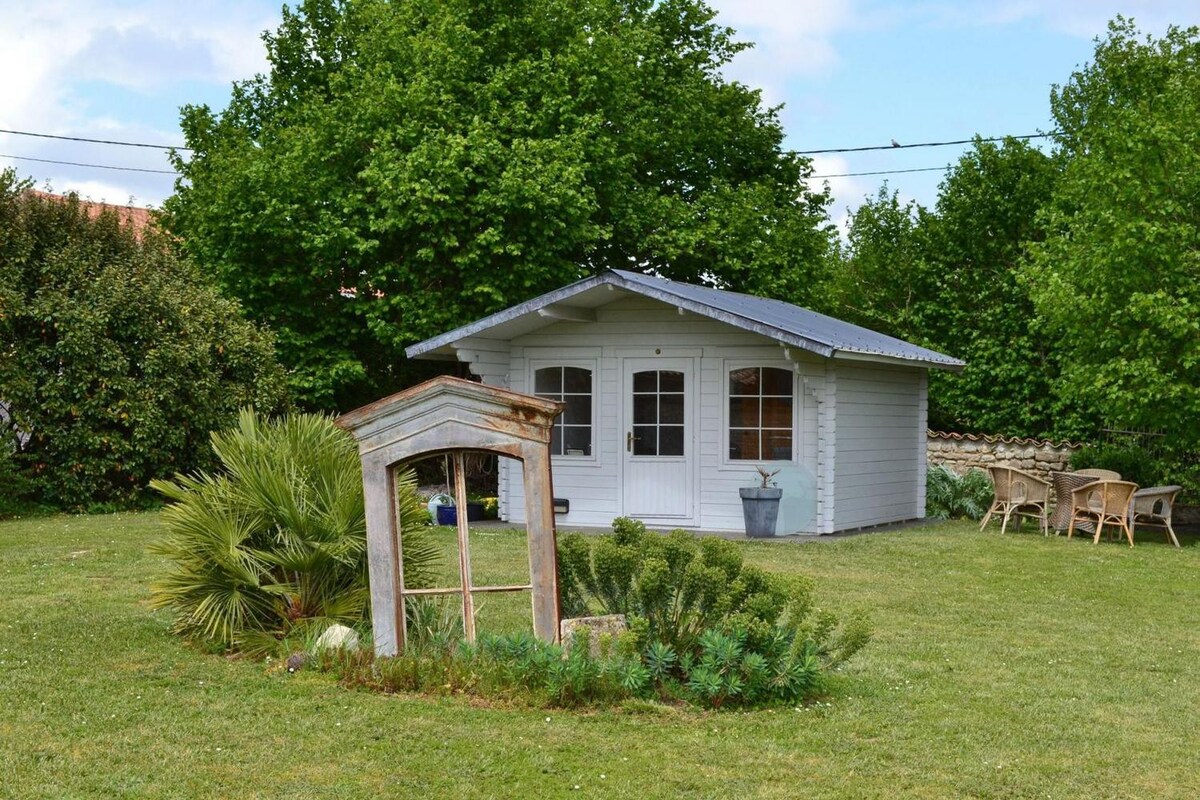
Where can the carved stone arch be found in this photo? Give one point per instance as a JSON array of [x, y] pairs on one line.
[[451, 415]]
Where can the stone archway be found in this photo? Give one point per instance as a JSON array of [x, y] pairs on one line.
[[451, 415]]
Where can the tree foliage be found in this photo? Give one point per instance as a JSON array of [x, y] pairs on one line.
[[880, 279], [947, 278], [1117, 278], [117, 359], [974, 244], [406, 166]]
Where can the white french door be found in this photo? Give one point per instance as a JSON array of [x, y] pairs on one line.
[[658, 439]]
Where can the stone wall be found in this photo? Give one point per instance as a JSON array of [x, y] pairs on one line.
[[962, 451]]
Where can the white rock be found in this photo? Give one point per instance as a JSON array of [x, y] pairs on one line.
[[336, 636]]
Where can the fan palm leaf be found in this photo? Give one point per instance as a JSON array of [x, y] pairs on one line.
[[278, 537]]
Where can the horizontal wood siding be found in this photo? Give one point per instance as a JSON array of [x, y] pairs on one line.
[[877, 476], [638, 327]]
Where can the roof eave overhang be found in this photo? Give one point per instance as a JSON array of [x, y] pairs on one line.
[[950, 365], [443, 345], [430, 347]]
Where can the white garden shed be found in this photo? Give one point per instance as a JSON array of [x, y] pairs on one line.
[[675, 393]]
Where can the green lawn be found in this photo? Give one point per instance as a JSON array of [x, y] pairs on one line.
[[1011, 666]]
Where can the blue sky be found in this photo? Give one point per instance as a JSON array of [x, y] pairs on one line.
[[850, 73]]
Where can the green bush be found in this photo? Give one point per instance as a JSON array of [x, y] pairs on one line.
[[724, 672], [274, 544], [680, 585], [949, 495], [15, 488], [1133, 463], [117, 359], [677, 587]]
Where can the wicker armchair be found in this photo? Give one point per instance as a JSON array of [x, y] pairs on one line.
[[1021, 494], [1152, 506], [1103, 502]]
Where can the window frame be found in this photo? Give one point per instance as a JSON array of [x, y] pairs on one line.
[[592, 366], [732, 365]]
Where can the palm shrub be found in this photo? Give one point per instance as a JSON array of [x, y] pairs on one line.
[[949, 495], [274, 543]]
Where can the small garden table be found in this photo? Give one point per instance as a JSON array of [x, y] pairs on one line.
[[1064, 484]]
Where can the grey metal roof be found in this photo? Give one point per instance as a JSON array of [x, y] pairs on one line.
[[775, 319]]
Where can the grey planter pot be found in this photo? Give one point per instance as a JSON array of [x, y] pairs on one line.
[[760, 507]]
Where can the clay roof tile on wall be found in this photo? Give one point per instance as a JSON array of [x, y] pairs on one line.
[[137, 218], [1017, 440]]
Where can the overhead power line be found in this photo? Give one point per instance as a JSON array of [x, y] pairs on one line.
[[96, 141], [898, 146], [884, 147], [91, 166], [173, 172], [880, 172], [893, 146]]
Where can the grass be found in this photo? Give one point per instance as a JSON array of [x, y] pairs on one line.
[[1002, 667]]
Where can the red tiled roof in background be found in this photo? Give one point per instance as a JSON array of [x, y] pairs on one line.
[[137, 218]]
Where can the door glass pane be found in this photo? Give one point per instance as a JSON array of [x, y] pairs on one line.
[[670, 381], [578, 410], [645, 409], [645, 381], [577, 440], [670, 440], [548, 380], [670, 409], [645, 440], [556, 443], [577, 380]]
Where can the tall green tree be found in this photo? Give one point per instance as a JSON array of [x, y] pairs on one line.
[[1118, 275], [117, 358], [974, 244], [408, 165], [878, 277], [947, 278]]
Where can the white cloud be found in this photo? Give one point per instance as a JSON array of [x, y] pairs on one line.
[[792, 39], [51, 50], [100, 191], [848, 192]]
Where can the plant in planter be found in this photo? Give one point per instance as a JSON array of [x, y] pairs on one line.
[[760, 505], [447, 513]]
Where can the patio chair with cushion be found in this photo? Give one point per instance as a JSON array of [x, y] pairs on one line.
[[1103, 502], [1021, 494]]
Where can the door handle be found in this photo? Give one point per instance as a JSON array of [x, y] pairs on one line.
[[629, 440]]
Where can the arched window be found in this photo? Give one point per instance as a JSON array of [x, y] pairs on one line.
[[761, 401], [572, 433]]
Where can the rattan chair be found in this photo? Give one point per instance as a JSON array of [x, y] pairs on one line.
[[1103, 502], [1021, 494], [1152, 506], [1099, 474]]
